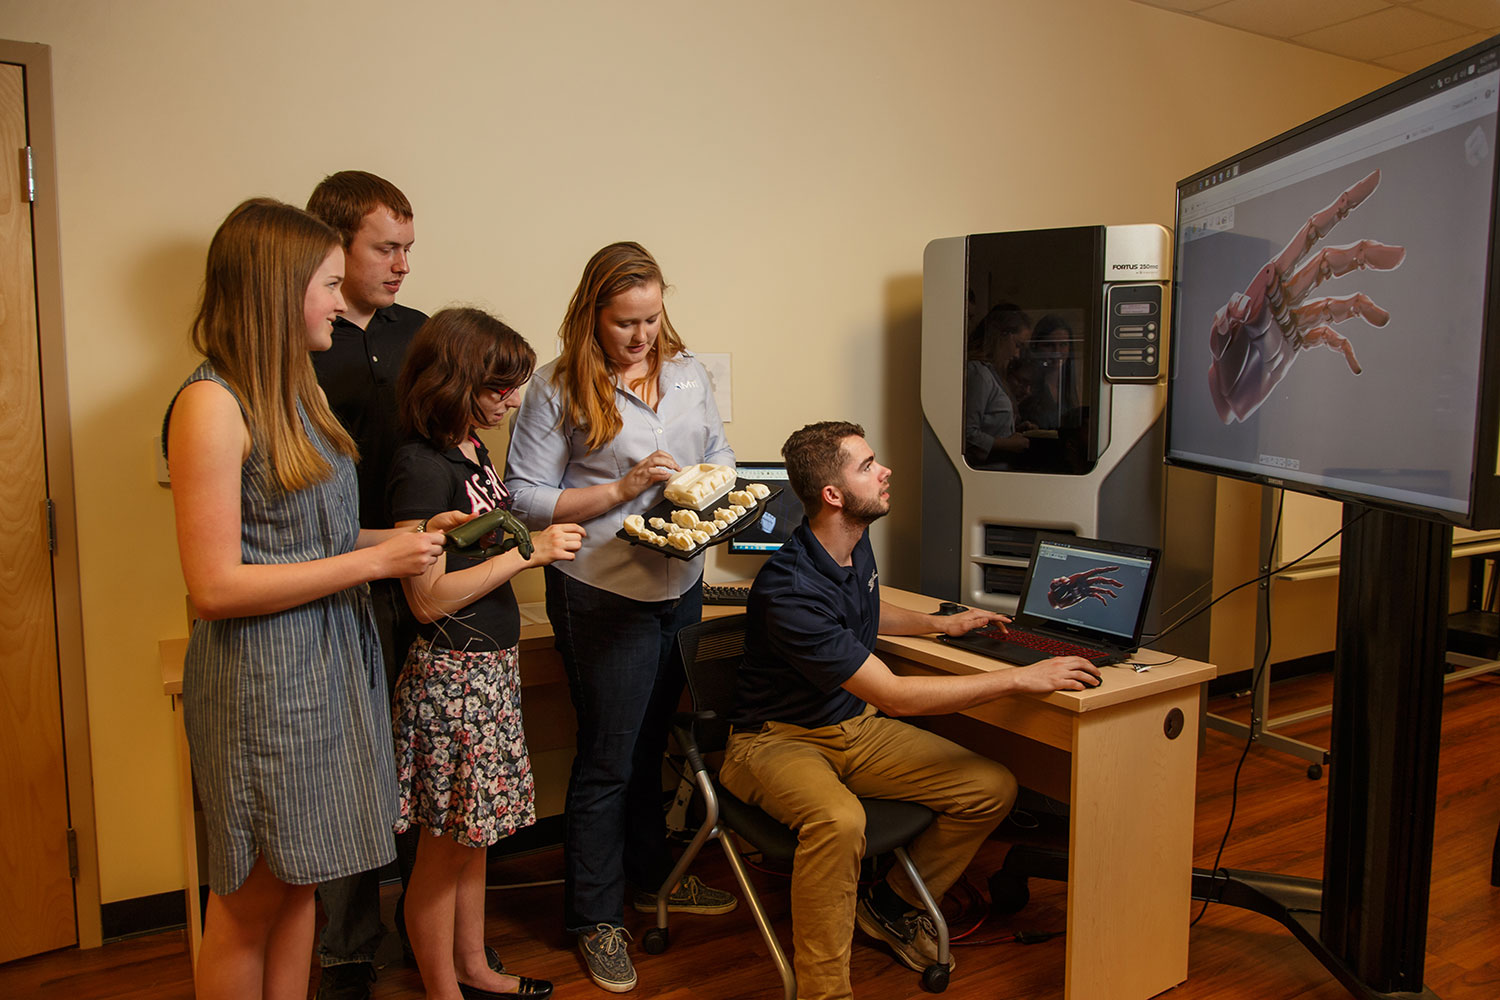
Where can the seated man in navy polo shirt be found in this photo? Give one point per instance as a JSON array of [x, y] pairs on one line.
[[807, 738]]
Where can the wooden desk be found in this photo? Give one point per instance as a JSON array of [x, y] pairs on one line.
[[1130, 787]]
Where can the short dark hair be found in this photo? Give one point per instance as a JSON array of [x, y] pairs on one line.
[[344, 199], [458, 353], [815, 459]]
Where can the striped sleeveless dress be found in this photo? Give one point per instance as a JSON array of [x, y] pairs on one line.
[[288, 725]]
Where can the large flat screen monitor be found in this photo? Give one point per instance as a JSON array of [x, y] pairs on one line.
[[1334, 297], [782, 513]]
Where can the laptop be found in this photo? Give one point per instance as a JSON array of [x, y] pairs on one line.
[[1081, 597]]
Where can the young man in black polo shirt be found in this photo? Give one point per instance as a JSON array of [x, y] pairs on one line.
[[807, 740], [358, 373]]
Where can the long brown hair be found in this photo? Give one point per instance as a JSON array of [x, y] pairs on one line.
[[584, 374], [251, 327], [455, 355]]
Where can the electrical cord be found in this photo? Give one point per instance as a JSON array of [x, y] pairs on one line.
[[1019, 937], [1268, 574], [1255, 679], [1234, 784]]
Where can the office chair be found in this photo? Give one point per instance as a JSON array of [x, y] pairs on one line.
[[710, 653]]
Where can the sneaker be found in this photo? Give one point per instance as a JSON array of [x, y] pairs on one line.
[[912, 938], [349, 981], [607, 960], [691, 896]]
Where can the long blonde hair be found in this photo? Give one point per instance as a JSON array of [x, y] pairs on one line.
[[251, 327], [584, 374]]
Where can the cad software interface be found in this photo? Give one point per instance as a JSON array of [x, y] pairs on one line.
[[1330, 303], [1097, 589]]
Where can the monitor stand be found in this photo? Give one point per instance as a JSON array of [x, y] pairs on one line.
[[1366, 920]]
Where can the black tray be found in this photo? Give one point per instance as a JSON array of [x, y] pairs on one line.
[[664, 509]]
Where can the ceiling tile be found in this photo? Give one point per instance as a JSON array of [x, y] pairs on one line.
[[1402, 35], [1414, 59], [1474, 13], [1285, 18], [1382, 33]]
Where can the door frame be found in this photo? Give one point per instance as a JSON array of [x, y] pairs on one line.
[[36, 61]]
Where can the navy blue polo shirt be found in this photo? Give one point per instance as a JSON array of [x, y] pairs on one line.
[[811, 625]]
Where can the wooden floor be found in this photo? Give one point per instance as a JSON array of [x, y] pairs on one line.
[[1234, 955]]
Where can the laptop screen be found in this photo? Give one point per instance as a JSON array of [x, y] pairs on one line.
[[1081, 583]]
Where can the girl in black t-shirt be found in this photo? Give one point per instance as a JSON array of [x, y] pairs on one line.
[[461, 758]]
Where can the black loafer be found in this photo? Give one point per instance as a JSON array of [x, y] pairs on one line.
[[492, 957], [526, 989]]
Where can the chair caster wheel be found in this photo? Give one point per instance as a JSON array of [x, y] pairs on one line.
[[1009, 893], [1314, 772], [935, 978], [655, 940]]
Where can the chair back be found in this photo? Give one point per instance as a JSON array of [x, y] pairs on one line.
[[710, 652]]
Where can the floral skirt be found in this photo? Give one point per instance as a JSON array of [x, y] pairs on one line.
[[461, 761]]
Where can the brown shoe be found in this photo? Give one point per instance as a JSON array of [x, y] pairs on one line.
[[912, 938]]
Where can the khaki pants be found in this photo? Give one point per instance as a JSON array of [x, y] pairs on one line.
[[809, 779]]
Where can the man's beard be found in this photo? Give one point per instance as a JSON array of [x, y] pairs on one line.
[[866, 512]]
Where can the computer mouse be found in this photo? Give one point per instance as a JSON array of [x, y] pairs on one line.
[[949, 608]]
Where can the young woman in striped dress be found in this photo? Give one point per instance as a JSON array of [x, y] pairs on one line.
[[283, 686]]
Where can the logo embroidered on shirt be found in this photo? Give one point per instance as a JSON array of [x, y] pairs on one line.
[[874, 575], [691, 383]]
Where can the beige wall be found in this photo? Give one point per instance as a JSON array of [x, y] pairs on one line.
[[786, 161]]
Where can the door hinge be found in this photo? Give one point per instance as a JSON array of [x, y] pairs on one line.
[[49, 511], [30, 177], [72, 853]]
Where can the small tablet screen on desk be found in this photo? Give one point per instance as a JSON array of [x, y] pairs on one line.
[[780, 518]]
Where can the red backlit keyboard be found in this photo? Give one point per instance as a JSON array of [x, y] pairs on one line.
[[1013, 645], [1050, 646]]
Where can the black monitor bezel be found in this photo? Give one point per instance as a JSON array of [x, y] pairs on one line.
[[1483, 509], [1151, 554]]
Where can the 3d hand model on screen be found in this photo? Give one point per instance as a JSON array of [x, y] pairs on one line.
[[1067, 591], [1257, 335]]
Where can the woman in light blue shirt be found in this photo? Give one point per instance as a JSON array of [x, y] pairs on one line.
[[622, 408]]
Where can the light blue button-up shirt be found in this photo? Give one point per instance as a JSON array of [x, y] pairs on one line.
[[548, 456]]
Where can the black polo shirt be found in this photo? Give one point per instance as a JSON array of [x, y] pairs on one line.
[[811, 625], [426, 481], [358, 374]]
